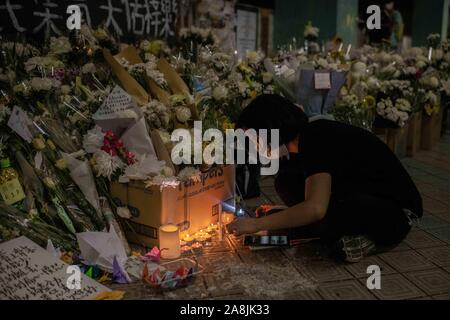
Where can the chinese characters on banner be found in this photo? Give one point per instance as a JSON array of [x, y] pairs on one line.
[[46, 18]]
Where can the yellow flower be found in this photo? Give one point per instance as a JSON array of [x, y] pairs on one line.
[[432, 109], [245, 68], [49, 183], [61, 164], [51, 145], [110, 295], [39, 144], [227, 124], [155, 47], [253, 94], [369, 101]]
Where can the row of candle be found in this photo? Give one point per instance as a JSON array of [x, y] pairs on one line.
[[175, 243]]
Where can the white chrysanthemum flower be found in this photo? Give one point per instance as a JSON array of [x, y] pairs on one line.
[[43, 62], [44, 84], [157, 114], [254, 57], [144, 167], [183, 114], [60, 45], [359, 67], [189, 173], [105, 165], [93, 140], [88, 68], [162, 182], [220, 92], [403, 105], [242, 87]]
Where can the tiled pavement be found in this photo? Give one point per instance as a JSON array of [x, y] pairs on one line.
[[419, 268]]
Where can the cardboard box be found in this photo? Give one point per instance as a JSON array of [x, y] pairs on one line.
[[191, 206], [431, 130], [396, 139], [414, 134]]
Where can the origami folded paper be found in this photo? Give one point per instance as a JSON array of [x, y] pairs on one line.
[[100, 248], [119, 274]]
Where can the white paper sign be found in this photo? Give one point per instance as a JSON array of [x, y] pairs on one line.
[[247, 31], [28, 272], [21, 123], [322, 81]]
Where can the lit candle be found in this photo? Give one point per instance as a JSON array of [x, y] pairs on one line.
[[197, 247], [188, 239], [169, 241], [208, 237], [200, 238], [186, 249], [212, 228], [227, 217]]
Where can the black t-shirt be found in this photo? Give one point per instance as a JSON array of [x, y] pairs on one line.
[[357, 160]]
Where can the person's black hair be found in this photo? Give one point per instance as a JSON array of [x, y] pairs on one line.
[[270, 111]]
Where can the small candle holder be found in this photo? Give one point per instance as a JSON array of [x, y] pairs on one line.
[[200, 239], [188, 239], [197, 248], [186, 250]]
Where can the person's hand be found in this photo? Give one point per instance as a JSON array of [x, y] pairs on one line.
[[262, 210], [243, 226]]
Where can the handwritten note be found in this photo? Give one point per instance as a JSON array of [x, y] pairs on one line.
[[28, 272], [116, 105], [322, 81]]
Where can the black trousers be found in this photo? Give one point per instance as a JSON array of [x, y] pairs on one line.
[[349, 212]]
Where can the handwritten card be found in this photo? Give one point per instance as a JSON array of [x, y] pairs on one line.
[[28, 272], [322, 80], [117, 105]]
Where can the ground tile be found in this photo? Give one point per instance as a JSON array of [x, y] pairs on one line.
[[405, 261], [396, 287], [345, 290], [432, 282]]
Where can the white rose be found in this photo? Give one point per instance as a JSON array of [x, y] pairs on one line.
[[124, 212], [183, 114], [220, 92]]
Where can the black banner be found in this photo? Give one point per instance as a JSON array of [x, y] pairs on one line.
[[124, 18]]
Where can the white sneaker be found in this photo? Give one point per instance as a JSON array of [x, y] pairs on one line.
[[356, 248]]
